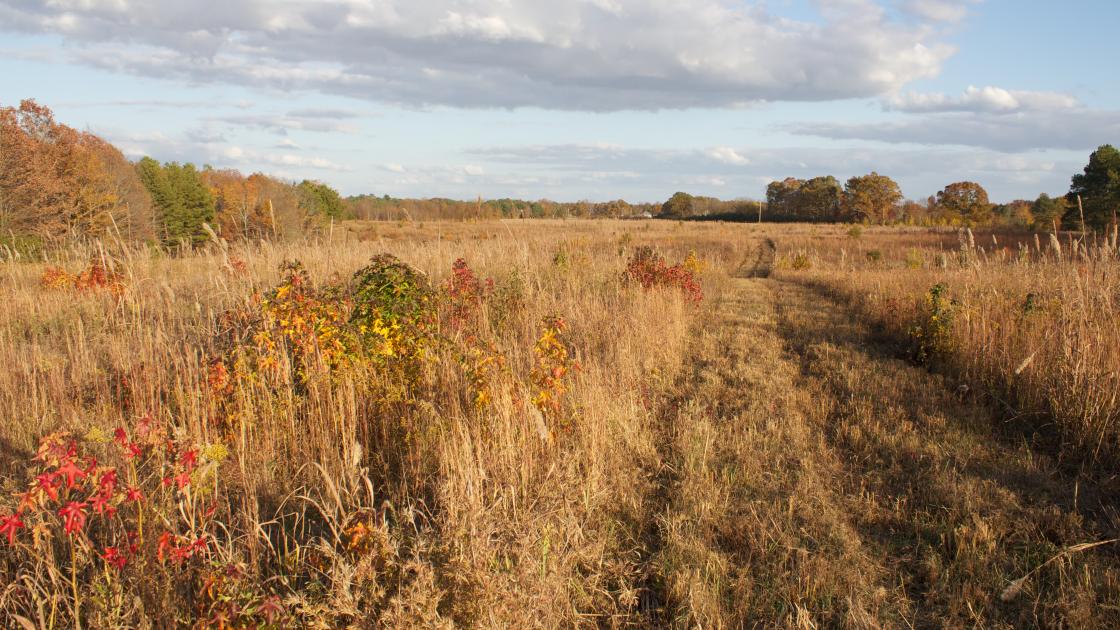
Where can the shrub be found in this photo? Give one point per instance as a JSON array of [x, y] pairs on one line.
[[801, 262], [649, 269], [463, 293], [298, 335], [94, 278], [552, 367], [932, 335], [144, 510]]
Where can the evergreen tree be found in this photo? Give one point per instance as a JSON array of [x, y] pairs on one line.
[[1098, 187], [182, 200]]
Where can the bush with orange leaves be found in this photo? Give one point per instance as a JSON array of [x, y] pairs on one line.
[[649, 269], [552, 369], [302, 335], [96, 277]]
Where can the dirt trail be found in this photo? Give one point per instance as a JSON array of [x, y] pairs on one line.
[[812, 479]]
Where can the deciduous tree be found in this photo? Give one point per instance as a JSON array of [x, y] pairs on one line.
[[873, 198], [965, 203], [1046, 210], [679, 205]]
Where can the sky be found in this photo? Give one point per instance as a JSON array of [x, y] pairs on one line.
[[583, 99]]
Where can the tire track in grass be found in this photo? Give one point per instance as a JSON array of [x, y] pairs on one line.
[[808, 478], [752, 532]]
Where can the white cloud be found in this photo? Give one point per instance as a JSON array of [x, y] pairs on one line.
[[1046, 123], [727, 155], [985, 99], [283, 124], [288, 159], [579, 55]]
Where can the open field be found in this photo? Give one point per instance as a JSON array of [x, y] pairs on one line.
[[886, 427]]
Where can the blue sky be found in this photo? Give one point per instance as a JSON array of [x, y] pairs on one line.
[[586, 99]]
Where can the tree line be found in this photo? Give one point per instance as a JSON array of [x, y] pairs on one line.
[[59, 184], [1091, 203], [387, 208]]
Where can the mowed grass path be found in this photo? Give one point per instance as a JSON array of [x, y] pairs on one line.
[[810, 478]]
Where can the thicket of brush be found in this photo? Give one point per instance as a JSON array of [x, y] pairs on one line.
[[231, 438]]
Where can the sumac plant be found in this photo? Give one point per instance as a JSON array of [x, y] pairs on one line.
[[463, 294], [111, 511], [648, 269], [553, 367]]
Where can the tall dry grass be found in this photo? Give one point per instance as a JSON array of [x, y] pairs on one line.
[[1029, 320], [335, 506]]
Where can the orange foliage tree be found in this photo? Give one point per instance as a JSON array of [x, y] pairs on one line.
[[57, 182]]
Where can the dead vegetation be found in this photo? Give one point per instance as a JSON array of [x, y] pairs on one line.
[[545, 424]]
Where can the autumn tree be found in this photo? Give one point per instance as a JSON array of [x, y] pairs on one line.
[[819, 199], [1016, 213], [58, 182], [873, 198], [782, 197], [280, 208], [235, 202], [1099, 187], [816, 199], [914, 212], [1046, 210], [679, 205], [965, 203]]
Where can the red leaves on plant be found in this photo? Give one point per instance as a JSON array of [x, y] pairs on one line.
[[74, 515], [648, 268], [71, 472], [48, 485], [189, 459], [271, 609], [102, 503], [9, 525], [108, 480], [133, 494], [182, 480], [179, 549], [97, 276], [166, 543], [465, 292], [114, 558]]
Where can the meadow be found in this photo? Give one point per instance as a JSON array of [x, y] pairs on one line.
[[562, 423]]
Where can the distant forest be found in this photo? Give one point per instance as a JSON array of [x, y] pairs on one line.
[[58, 184]]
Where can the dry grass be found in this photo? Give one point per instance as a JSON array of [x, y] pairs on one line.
[[764, 459], [1033, 324], [489, 515]]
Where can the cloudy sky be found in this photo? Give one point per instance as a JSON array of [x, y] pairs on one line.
[[583, 99]]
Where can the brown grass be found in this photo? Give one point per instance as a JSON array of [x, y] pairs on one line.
[[769, 458]]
